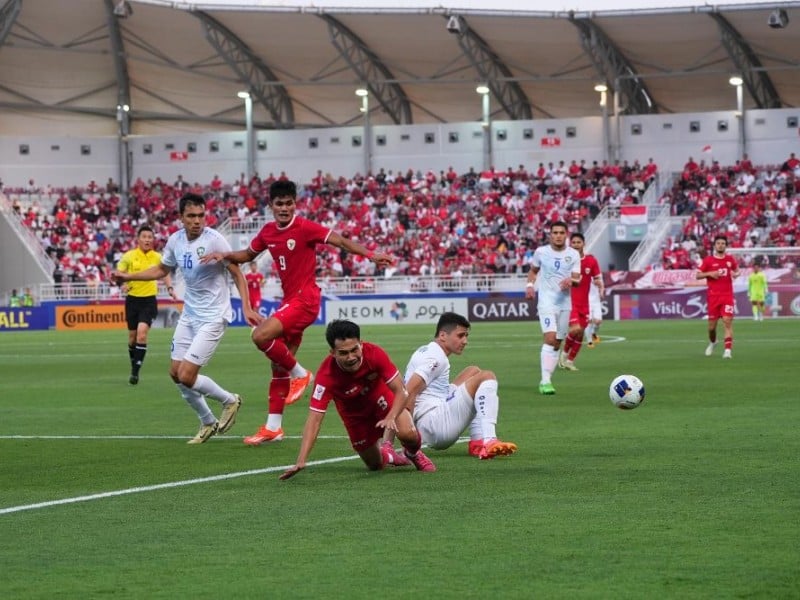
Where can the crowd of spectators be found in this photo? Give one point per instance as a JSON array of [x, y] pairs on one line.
[[752, 206], [446, 223]]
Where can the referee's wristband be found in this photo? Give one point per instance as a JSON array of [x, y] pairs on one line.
[[529, 284], [169, 287]]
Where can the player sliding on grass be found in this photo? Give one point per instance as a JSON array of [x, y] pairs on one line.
[[292, 242], [364, 384], [443, 410]]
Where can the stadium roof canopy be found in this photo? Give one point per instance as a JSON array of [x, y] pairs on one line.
[[66, 66]]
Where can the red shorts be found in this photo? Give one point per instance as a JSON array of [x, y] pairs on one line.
[[720, 307], [579, 316], [296, 315], [360, 425]]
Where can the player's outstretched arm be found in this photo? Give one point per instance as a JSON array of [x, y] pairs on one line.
[[156, 272], [379, 258], [235, 256], [310, 433]]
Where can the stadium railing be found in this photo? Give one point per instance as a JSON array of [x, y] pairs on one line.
[[31, 241], [334, 286]]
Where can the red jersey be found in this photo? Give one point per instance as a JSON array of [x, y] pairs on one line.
[[254, 281], [294, 250], [589, 270], [722, 286], [355, 393]]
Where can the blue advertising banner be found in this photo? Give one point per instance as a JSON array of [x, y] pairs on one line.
[[25, 319]]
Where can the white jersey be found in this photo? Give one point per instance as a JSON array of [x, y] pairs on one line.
[[554, 266], [431, 363], [594, 292], [207, 297]]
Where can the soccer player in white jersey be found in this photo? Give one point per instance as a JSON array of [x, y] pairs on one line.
[[591, 335], [443, 410], [206, 313], [556, 267]]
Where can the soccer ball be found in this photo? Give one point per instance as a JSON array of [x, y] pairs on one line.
[[626, 392]]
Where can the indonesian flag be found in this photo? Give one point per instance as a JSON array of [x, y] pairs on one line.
[[634, 214], [707, 148], [550, 141]]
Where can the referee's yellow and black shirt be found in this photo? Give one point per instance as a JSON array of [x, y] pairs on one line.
[[134, 261]]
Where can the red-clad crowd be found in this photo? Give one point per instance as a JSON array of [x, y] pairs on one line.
[[435, 223], [752, 206], [474, 222]]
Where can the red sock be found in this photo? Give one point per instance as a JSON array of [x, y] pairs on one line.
[[278, 353], [278, 390], [576, 347], [411, 448], [572, 347], [728, 343]]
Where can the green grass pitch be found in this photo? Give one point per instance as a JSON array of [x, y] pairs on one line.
[[696, 494]]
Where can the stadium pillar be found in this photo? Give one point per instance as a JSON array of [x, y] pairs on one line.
[[602, 88], [123, 159], [250, 145], [738, 82], [363, 93], [486, 123]]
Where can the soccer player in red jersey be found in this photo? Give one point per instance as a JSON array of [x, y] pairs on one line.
[[292, 242], [719, 270], [364, 384], [255, 281], [579, 317]]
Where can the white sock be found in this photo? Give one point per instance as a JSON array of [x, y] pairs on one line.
[[486, 405], [587, 333], [198, 403], [274, 422], [209, 387], [297, 371], [549, 361]]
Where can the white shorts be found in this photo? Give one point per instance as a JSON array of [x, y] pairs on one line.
[[196, 342], [595, 310], [555, 320], [441, 427]]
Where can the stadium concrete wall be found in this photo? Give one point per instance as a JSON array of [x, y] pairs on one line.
[[667, 138]]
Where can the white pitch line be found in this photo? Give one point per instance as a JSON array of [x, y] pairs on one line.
[[147, 437], [164, 486]]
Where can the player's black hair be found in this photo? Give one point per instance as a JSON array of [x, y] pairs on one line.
[[281, 189], [193, 199], [558, 224], [341, 329], [144, 228], [577, 234], [720, 237], [448, 321]]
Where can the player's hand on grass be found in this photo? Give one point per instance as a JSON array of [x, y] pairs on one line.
[[291, 472]]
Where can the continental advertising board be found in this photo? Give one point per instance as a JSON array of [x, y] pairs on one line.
[[87, 317]]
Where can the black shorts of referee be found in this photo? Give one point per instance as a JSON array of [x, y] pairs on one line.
[[140, 309]]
